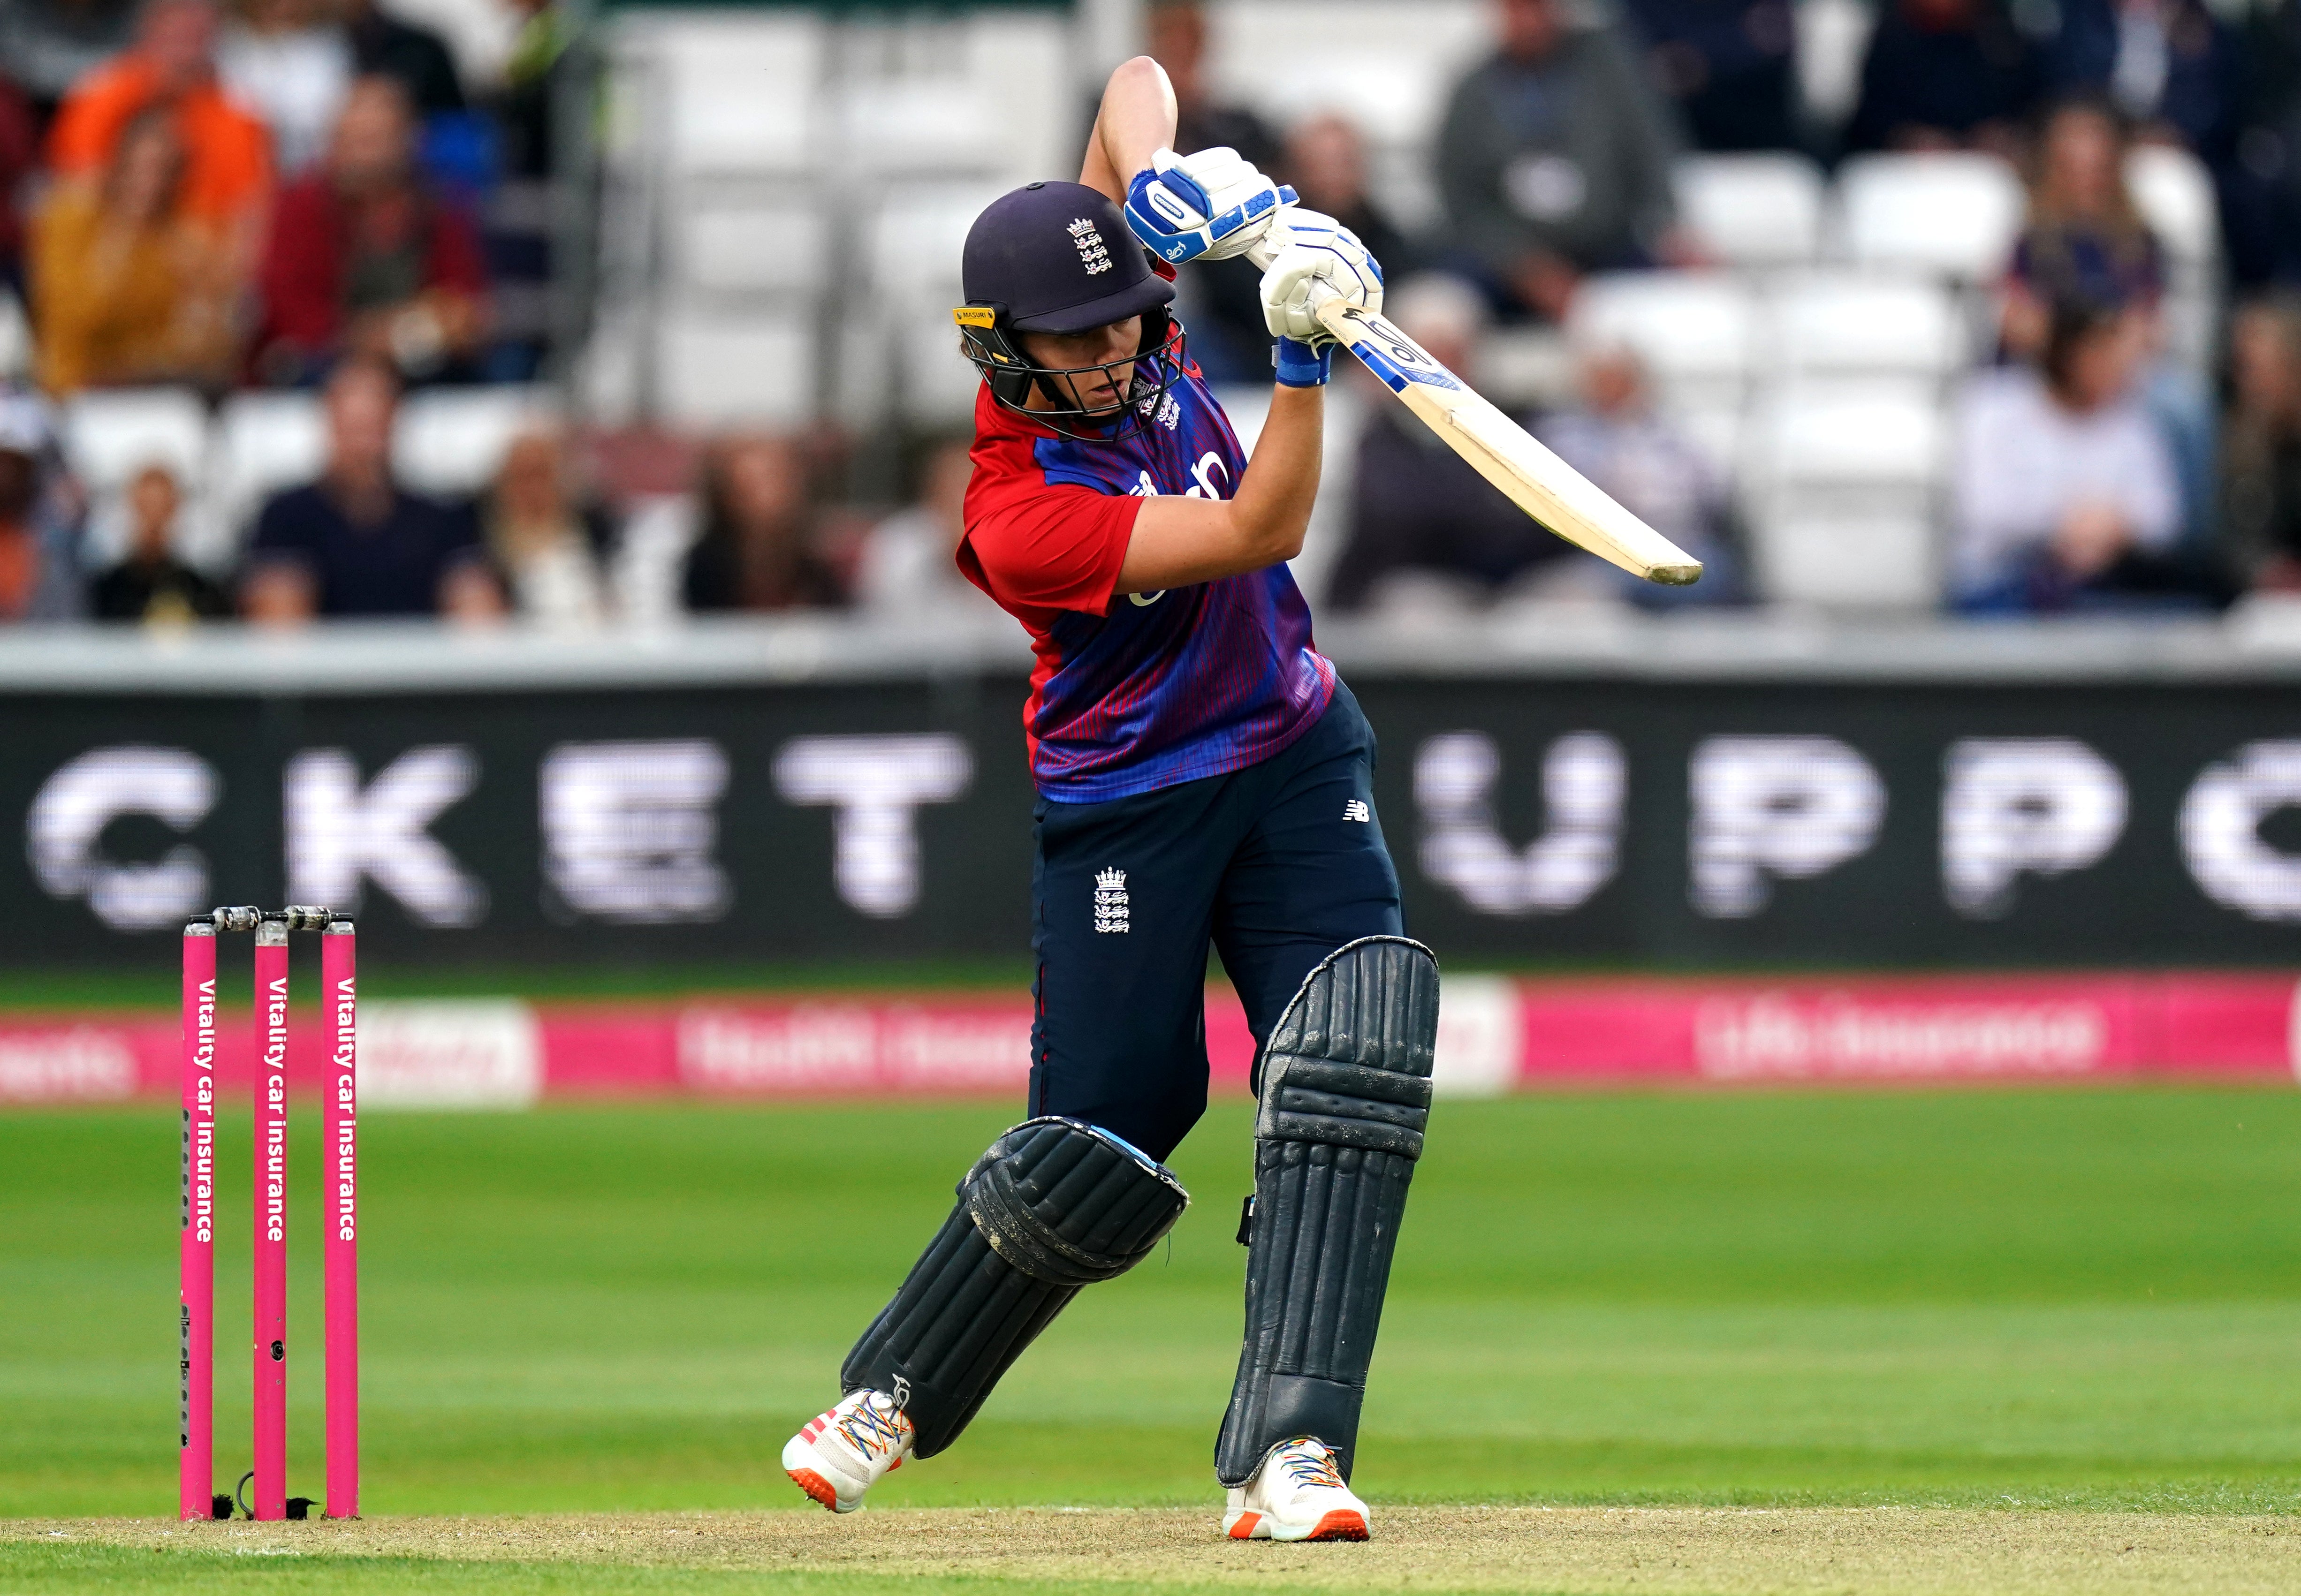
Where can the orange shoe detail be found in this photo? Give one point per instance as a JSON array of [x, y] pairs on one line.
[[1243, 1530], [817, 1487], [1341, 1524]]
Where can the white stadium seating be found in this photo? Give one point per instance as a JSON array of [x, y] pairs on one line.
[[726, 93], [1695, 331], [1387, 66], [903, 350], [450, 441], [1753, 212], [1844, 499], [736, 371], [15, 337], [789, 195], [2175, 195], [779, 245], [1955, 215], [265, 442], [109, 436], [1845, 324]]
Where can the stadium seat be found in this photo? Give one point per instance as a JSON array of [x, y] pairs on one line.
[[1387, 65], [1524, 368], [15, 338], [1749, 211], [1718, 433], [919, 125], [1842, 496], [916, 234], [1841, 324], [1954, 215], [109, 434], [715, 370], [935, 383], [958, 95], [651, 561], [1832, 38], [451, 440], [265, 442], [774, 246], [906, 355], [726, 93], [1695, 331], [2175, 195]]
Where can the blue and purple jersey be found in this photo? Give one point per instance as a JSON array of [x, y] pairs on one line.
[[1133, 693]]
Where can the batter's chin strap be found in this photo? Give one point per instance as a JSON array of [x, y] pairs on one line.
[[1053, 1206], [988, 339], [1344, 1085]]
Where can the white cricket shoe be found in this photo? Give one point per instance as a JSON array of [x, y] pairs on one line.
[[1296, 1495], [846, 1451]]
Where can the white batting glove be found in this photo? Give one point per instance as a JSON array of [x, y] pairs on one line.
[[1316, 254], [1208, 206]]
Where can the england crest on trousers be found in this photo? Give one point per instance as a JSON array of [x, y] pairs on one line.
[[1110, 900]]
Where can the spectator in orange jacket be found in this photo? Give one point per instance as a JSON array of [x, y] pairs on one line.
[[228, 154]]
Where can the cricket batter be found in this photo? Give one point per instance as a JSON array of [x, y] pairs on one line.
[[1203, 777]]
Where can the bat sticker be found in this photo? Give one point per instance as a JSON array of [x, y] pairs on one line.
[[1395, 358]]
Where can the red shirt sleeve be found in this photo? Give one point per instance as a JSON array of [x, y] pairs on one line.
[[1056, 547]]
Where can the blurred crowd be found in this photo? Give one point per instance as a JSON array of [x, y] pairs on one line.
[[2090, 470], [246, 196], [296, 194], [285, 194], [744, 521]]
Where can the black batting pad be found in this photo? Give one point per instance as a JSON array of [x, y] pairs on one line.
[[1345, 1086], [1053, 1206]]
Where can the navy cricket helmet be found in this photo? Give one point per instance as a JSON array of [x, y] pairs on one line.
[[1056, 257]]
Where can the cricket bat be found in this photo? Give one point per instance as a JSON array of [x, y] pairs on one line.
[[1538, 482]]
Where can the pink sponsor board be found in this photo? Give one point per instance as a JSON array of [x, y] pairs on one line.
[[1929, 1028], [823, 1047], [1534, 1033]]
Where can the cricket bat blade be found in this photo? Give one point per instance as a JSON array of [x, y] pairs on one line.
[[1533, 477], [1561, 498]]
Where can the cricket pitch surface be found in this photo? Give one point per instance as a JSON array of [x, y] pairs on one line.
[[1893, 1552]]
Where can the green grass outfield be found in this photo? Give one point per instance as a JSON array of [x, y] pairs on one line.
[[151, 985], [2074, 1297]]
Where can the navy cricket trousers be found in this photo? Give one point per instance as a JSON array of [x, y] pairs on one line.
[[1275, 867]]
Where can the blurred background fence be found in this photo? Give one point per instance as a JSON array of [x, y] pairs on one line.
[[1638, 793]]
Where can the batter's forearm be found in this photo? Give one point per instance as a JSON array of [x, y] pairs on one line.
[[1136, 119], [1178, 541], [1273, 498]]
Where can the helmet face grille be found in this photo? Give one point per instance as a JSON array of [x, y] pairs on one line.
[[1158, 363]]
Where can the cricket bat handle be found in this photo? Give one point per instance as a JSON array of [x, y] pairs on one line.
[[1533, 477]]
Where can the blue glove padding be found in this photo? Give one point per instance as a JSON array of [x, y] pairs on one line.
[[1170, 212], [1300, 365]]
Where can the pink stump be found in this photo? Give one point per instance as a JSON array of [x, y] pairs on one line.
[[271, 1205], [339, 1249], [195, 1253]]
